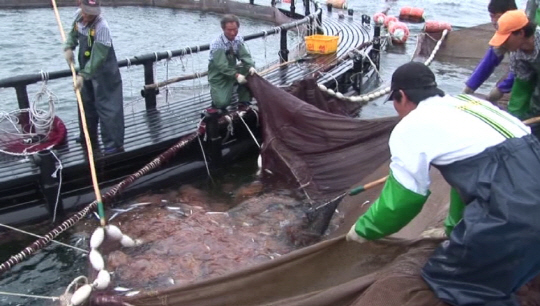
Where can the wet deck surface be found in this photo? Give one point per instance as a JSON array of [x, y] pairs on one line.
[[150, 133]]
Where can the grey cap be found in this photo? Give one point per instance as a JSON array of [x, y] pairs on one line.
[[90, 7]]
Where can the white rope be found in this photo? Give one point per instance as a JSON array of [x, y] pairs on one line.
[[201, 91], [154, 68], [181, 58], [202, 150], [52, 298], [130, 81], [230, 126], [57, 173], [249, 130], [38, 236], [205, 161], [169, 56], [42, 120], [73, 283], [381, 91]]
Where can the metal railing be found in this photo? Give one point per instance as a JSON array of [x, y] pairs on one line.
[[20, 82]]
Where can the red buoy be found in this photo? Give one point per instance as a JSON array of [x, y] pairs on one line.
[[433, 26], [379, 18], [411, 14], [399, 32], [389, 19]]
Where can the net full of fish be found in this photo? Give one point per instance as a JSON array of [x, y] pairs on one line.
[[186, 242]]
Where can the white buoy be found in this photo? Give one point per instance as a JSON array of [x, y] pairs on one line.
[[331, 92], [127, 241], [322, 87], [339, 95], [96, 260], [371, 96], [102, 280], [97, 238], [81, 295], [113, 232]]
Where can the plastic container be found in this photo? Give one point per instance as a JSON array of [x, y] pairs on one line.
[[321, 44]]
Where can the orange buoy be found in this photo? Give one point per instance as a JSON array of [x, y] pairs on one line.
[[379, 18], [433, 26], [339, 4], [399, 32], [411, 14], [389, 19]]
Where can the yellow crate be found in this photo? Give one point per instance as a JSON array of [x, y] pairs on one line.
[[321, 44]]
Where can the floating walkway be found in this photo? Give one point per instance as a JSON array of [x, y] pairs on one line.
[[149, 133]]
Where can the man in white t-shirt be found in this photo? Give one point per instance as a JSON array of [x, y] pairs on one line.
[[492, 163]]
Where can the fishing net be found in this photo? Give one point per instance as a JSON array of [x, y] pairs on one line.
[[27, 131], [333, 272], [469, 44], [309, 136]]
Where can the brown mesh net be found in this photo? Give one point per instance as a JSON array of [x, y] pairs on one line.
[[326, 153]]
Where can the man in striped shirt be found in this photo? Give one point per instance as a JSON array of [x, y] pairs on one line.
[[491, 161], [99, 78]]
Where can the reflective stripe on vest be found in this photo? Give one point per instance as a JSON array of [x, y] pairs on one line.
[[496, 126]]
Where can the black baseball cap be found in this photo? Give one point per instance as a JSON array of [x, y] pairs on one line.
[[90, 7], [414, 77]]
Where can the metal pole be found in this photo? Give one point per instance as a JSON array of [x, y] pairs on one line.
[[293, 8], [283, 52], [376, 50], [22, 96], [24, 103], [149, 95], [213, 138], [306, 5]]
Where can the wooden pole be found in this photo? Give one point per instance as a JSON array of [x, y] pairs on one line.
[[101, 210], [367, 186], [175, 80], [531, 121]]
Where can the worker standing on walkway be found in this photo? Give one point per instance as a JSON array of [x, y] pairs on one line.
[[492, 58], [99, 78], [491, 161], [223, 74]]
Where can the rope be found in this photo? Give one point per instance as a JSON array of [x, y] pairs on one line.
[[57, 172], [40, 120], [38, 236], [154, 67], [382, 91], [169, 56], [250, 132], [41, 243], [52, 298], [205, 161], [130, 81]]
